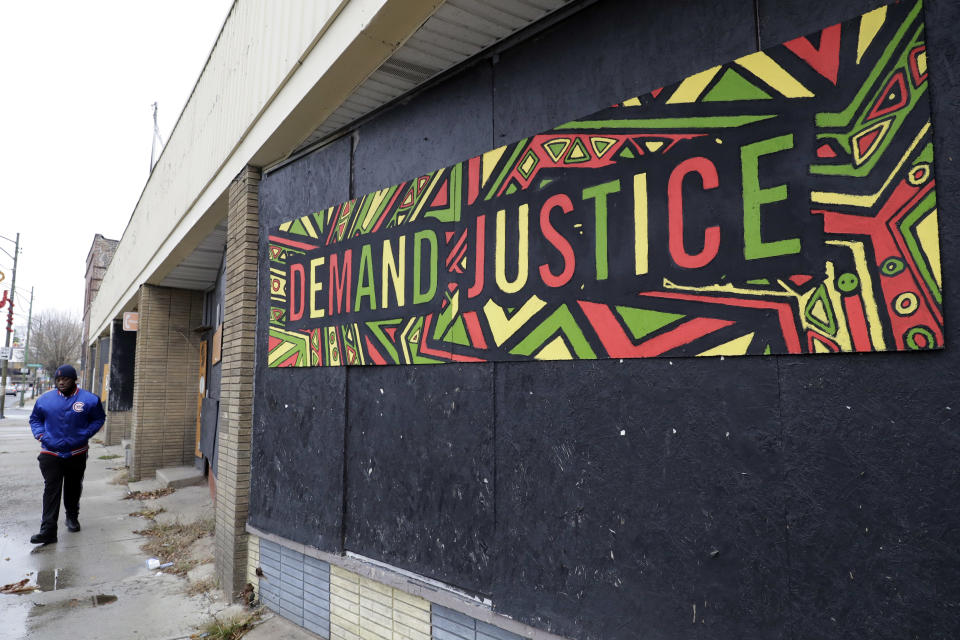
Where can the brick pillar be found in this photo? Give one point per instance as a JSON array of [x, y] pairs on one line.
[[165, 380], [118, 426], [236, 383]]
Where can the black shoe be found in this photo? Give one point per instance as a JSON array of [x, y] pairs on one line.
[[43, 538], [73, 524]]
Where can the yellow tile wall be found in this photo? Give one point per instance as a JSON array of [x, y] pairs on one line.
[[363, 609]]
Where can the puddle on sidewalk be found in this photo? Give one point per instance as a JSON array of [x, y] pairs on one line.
[[99, 600], [53, 579], [44, 580]]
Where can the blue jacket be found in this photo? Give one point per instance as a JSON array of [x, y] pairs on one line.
[[64, 425]]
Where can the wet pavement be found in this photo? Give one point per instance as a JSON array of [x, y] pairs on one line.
[[93, 583]]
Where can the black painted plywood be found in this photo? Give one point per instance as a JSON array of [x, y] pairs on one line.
[[433, 129], [420, 470], [634, 498], [782, 20], [612, 51], [420, 439], [123, 347], [870, 441], [870, 451], [209, 418], [810, 520], [297, 458], [296, 487]]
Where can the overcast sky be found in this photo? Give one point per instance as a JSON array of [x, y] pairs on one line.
[[76, 125]]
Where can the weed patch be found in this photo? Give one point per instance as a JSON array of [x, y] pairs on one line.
[[149, 495], [149, 514], [232, 629], [109, 457], [171, 543], [202, 586]]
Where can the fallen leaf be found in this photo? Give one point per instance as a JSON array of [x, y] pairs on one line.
[[18, 587]]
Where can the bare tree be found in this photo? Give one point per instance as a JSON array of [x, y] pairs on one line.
[[56, 338]]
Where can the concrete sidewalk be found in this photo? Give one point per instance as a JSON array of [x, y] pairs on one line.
[[95, 583]]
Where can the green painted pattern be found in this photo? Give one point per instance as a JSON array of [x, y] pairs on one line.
[[732, 87], [923, 208], [845, 140], [517, 150], [702, 122], [844, 117], [560, 321], [643, 322]]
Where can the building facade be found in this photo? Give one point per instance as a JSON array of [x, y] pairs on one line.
[[550, 460], [98, 259]]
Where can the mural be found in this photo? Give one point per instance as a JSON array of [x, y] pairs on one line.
[[780, 203]]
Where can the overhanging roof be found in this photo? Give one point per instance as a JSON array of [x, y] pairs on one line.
[[282, 77]]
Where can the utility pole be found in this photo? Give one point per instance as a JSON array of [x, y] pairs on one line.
[[13, 291], [156, 137], [26, 353]]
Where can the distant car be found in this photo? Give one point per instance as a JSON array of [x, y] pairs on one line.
[[11, 390]]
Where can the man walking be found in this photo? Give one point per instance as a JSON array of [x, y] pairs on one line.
[[63, 420]]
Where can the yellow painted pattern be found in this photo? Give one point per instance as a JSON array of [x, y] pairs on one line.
[[843, 339], [554, 152], [868, 200], [632, 102], [641, 244], [870, 25], [308, 226], [375, 201], [279, 276], [765, 68], [361, 358], [819, 312], [736, 347], [405, 340], [929, 237], [279, 353], [334, 358], [555, 350], [455, 304], [489, 162], [426, 195], [871, 311], [691, 88], [922, 63], [608, 144], [500, 257], [502, 327], [730, 288]]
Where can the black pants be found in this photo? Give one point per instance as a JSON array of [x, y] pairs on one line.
[[61, 476]]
